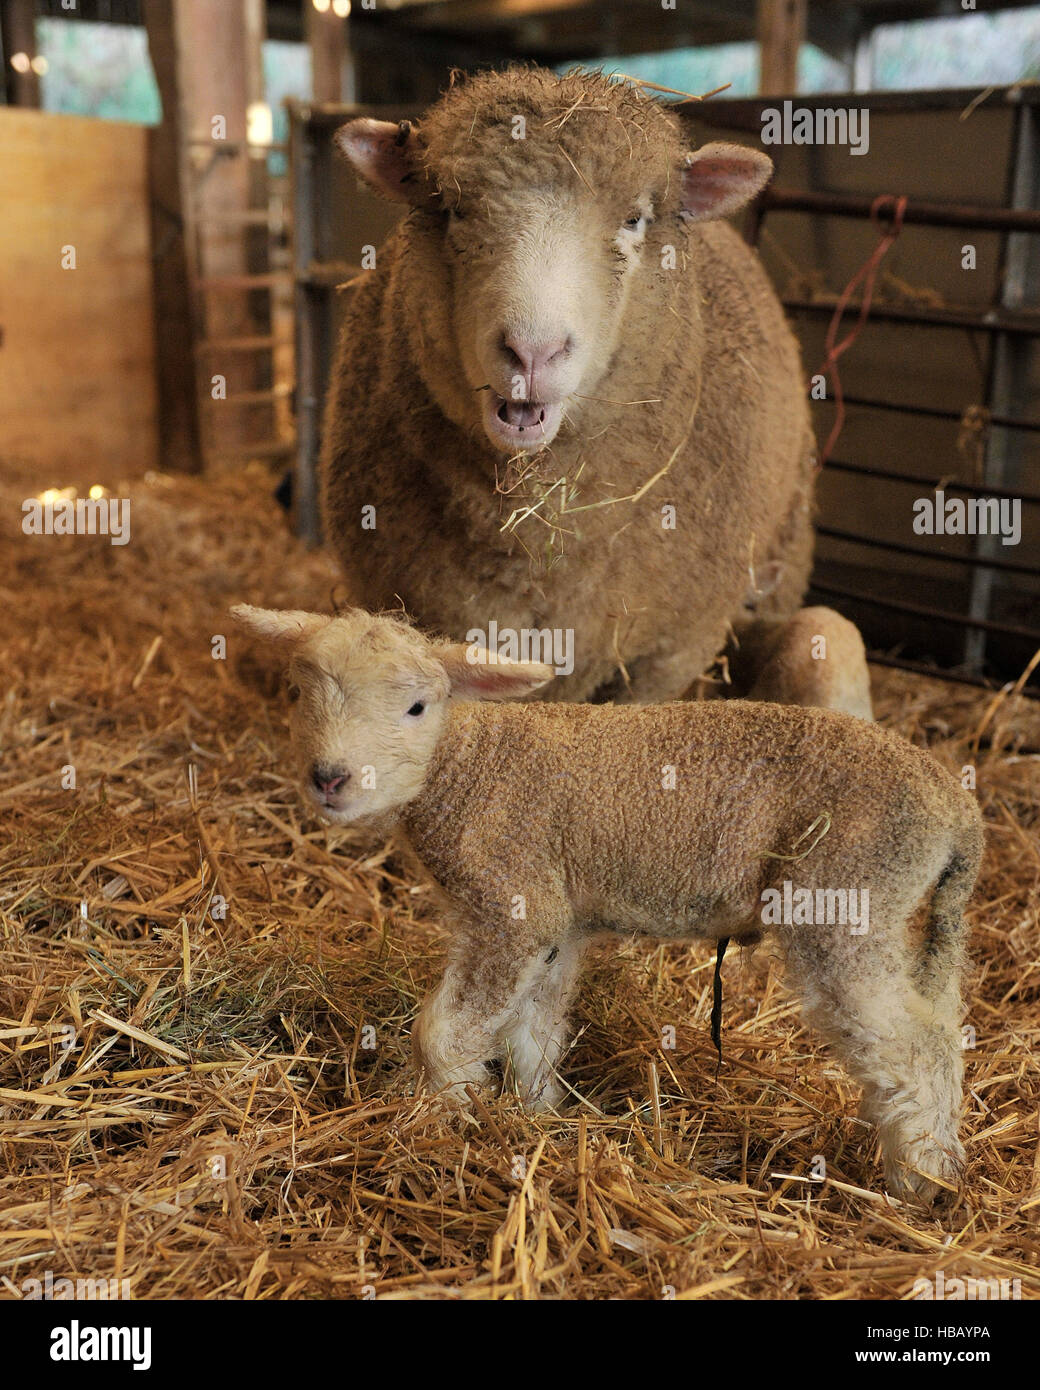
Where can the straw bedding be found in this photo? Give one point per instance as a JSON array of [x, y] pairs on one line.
[[234, 1116]]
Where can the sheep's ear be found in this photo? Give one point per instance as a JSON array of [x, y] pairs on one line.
[[273, 625], [477, 674], [718, 179], [386, 156]]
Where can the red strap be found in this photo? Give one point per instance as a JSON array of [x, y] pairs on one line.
[[865, 276]]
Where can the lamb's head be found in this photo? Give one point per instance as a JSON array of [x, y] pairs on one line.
[[543, 208], [368, 702]]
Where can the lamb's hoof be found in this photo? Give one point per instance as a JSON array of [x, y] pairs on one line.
[[912, 1175], [453, 1096], [549, 1096]]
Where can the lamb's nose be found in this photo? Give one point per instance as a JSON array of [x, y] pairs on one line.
[[329, 779], [533, 357]]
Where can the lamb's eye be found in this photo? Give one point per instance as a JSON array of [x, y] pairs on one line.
[[417, 709], [293, 692]]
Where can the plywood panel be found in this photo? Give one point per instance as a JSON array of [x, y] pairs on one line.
[[77, 359]]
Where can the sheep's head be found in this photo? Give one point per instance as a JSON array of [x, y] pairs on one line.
[[368, 701], [538, 204]]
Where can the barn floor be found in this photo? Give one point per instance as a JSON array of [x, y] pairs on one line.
[[222, 1127]]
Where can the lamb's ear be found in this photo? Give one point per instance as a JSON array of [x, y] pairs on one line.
[[718, 179], [477, 674], [386, 156], [289, 625]]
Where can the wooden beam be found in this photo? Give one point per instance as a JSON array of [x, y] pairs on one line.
[[488, 13], [18, 31], [405, 67], [781, 33], [550, 32]]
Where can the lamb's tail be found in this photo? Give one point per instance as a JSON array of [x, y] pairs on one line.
[[945, 933]]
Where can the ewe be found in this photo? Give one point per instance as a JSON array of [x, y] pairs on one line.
[[566, 398]]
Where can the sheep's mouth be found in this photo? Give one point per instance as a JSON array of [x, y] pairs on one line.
[[335, 811], [516, 425]]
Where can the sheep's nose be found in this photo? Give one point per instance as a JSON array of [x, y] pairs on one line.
[[532, 357], [329, 779]]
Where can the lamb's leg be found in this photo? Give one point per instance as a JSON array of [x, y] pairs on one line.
[[919, 1117], [814, 658], [481, 1005], [903, 1049], [653, 680], [536, 1037], [452, 1040]]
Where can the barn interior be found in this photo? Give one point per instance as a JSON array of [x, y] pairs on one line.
[[206, 996]]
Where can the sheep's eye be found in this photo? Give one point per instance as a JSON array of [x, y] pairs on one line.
[[293, 691], [417, 709]]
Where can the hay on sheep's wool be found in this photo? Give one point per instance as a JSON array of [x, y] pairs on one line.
[[234, 1119]]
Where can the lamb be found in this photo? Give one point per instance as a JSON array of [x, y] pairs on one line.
[[566, 397], [545, 824]]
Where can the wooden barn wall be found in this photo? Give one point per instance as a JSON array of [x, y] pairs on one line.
[[77, 359]]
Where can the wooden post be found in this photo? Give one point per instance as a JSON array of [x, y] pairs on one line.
[[332, 62], [18, 29], [863, 63], [781, 33], [207, 56], [172, 232], [257, 420]]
